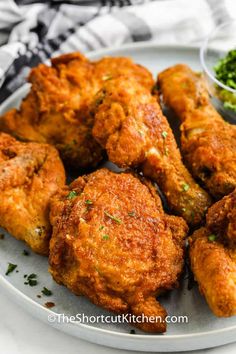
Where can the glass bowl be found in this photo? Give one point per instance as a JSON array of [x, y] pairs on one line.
[[216, 46]]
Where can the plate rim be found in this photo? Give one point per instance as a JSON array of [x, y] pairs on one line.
[[43, 313]]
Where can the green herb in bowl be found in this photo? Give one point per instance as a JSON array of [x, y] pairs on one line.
[[225, 71]]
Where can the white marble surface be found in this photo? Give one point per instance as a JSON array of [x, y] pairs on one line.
[[20, 333]]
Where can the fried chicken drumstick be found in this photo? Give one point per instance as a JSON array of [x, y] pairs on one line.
[[56, 110], [208, 142], [113, 243], [213, 257], [130, 125], [30, 174]]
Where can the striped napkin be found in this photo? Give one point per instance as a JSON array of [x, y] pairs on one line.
[[33, 31]]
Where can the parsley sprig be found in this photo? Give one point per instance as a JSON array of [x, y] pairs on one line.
[[11, 268]]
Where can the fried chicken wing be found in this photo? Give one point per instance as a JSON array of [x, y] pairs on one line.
[[113, 243], [57, 108], [208, 142], [30, 174], [213, 257], [130, 125]]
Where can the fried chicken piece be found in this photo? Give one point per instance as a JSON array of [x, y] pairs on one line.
[[30, 174], [213, 257], [208, 142], [113, 243], [130, 125], [56, 110]]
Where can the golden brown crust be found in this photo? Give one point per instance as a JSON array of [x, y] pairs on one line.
[[214, 268], [207, 141], [30, 174], [57, 109], [113, 243], [221, 219], [130, 125], [213, 257]]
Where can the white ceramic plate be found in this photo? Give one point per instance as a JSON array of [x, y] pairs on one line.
[[203, 330]]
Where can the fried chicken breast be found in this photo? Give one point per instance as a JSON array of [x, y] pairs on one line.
[[213, 257], [208, 142], [113, 243], [30, 174], [130, 125], [57, 108]]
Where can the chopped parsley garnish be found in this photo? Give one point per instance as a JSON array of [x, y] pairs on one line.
[[131, 213], [105, 237], [226, 73], [101, 228], [46, 292], [25, 253], [229, 105], [118, 221], [11, 268], [32, 276], [212, 238], [164, 134], [88, 202], [185, 187], [31, 280], [72, 195], [225, 69]]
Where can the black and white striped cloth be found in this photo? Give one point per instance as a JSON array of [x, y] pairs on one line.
[[32, 31]]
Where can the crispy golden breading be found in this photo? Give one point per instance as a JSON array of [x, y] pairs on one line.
[[30, 174], [111, 67], [208, 142], [56, 110], [130, 125], [213, 257], [113, 243]]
